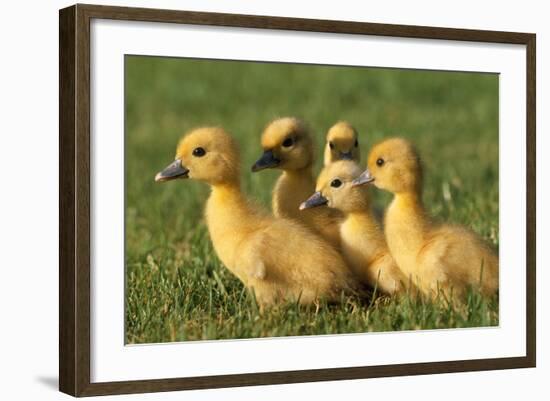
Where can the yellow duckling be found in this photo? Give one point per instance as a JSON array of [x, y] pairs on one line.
[[363, 243], [436, 257], [277, 258], [288, 146], [342, 143]]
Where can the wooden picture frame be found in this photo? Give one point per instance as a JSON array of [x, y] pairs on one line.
[[74, 199]]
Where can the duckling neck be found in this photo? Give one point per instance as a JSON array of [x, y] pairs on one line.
[[409, 201], [364, 218], [231, 190], [363, 231], [227, 204], [229, 218], [302, 174], [291, 189], [405, 226]]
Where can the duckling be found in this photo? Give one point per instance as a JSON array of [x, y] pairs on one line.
[[363, 244], [288, 146], [278, 259], [437, 257], [342, 143]]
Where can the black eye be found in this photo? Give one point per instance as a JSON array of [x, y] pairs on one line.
[[356, 143], [331, 145], [288, 142], [335, 183], [199, 152], [380, 162]]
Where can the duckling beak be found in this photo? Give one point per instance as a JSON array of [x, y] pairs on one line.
[[268, 160], [365, 178], [317, 199], [173, 171], [346, 155]]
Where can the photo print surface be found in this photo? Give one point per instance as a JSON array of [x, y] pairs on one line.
[[272, 199]]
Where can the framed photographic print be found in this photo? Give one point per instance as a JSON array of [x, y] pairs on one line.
[[250, 200]]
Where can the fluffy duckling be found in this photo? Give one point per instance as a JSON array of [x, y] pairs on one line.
[[436, 257], [288, 146], [278, 259], [342, 143], [363, 243]]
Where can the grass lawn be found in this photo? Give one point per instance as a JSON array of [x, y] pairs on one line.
[[177, 289]]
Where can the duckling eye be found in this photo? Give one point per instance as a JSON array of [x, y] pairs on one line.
[[380, 162], [331, 145], [356, 143], [335, 183], [288, 142], [199, 152]]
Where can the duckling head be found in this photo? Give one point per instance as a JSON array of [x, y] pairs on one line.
[[287, 145], [342, 143], [336, 190], [393, 165], [208, 154]]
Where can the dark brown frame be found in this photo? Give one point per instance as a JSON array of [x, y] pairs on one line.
[[74, 199]]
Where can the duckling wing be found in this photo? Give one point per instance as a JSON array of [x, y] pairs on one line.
[[290, 259], [252, 260], [459, 257]]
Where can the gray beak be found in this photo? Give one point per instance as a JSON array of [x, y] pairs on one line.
[[268, 160], [173, 171], [365, 178], [317, 199], [345, 155]]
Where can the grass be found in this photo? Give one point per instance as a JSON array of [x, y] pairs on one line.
[[177, 289]]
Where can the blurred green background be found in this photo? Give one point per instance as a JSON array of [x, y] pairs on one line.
[[176, 287]]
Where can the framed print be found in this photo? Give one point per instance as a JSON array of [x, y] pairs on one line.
[[250, 200]]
